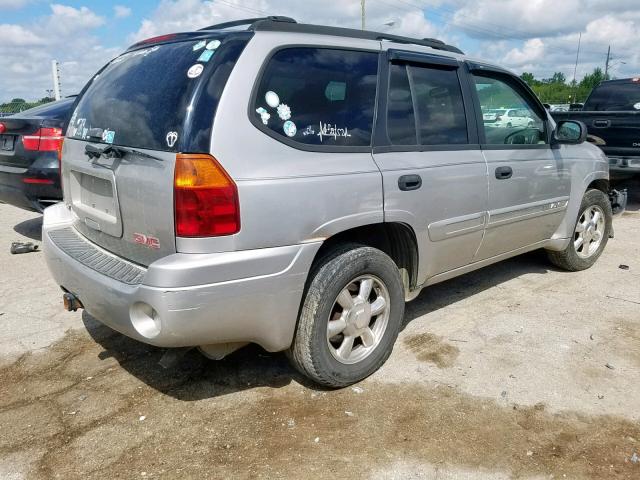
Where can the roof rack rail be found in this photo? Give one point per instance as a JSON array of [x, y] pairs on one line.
[[287, 24], [267, 24], [248, 21]]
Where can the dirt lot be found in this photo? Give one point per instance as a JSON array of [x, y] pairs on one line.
[[514, 371]]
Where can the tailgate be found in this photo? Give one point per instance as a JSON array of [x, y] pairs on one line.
[[125, 205], [620, 132], [137, 114]]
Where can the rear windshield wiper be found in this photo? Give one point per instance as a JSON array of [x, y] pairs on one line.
[[114, 151]]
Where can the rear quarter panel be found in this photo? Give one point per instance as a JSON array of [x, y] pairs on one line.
[[287, 196]]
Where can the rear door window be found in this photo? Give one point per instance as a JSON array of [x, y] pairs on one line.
[[615, 96], [318, 96], [425, 106], [149, 97]]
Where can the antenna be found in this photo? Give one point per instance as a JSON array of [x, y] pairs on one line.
[[362, 13], [55, 70], [575, 69]]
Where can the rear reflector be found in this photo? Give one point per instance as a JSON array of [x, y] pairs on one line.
[[205, 198], [44, 140]]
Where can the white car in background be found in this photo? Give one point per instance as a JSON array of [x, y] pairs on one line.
[[508, 117]]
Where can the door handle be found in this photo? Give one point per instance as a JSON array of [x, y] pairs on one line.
[[602, 123], [409, 182], [502, 173]]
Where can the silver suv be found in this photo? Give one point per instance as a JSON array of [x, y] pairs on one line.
[[293, 185]]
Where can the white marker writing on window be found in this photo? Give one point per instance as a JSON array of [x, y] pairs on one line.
[[330, 130]]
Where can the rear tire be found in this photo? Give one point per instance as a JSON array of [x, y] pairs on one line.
[[591, 233], [350, 316]]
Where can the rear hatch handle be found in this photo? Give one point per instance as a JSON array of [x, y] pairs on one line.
[[114, 151]]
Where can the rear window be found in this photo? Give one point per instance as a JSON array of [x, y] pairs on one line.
[[152, 98], [615, 96], [56, 110], [318, 96]]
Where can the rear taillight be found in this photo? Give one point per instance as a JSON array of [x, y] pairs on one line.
[[44, 140], [3, 128], [205, 198]]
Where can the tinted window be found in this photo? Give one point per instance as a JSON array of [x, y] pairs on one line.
[[425, 106], [614, 96], [148, 98], [319, 96], [401, 122], [59, 110], [509, 117]]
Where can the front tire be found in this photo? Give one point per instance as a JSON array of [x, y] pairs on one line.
[[591, 233], [350, 316]]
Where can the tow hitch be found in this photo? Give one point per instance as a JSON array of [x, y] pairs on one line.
[[71, 302], [618, 199]]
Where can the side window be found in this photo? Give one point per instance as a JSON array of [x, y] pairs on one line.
[[425, 106], [319, 96], [508, 116], [401, 119]]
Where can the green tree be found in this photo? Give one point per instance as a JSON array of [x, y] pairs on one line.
[[529, 78]]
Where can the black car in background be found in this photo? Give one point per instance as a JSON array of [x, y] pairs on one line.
[[612, 116], [30, 144]]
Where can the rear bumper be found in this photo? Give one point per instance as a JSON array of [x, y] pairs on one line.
[[628, 165], [34, 197], [233, 307]]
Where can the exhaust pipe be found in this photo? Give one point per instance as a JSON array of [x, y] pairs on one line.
[[71, 302]]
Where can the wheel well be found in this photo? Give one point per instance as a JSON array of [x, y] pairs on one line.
[[602, 185], [395, 239]]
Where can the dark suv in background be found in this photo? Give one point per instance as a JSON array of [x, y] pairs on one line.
[[30, 144]]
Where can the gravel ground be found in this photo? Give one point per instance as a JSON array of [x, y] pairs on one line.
[[514, 371]]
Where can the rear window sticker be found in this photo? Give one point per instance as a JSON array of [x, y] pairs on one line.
[[199, 45], [284, 112], [329, 130], [195, 70], [205, 56], [213, 44], [172, 138], [264, 115], [290, 128], [272, 99], [309, 131], [108, 136]]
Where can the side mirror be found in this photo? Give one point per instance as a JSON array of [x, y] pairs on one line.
[[570, 132]]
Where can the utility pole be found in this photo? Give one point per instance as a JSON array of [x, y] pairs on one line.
[[575, 69], [362, 13], [55, 70], [606, 65]]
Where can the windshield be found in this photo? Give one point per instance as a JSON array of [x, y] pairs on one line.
[[615, 96], [151, 98]]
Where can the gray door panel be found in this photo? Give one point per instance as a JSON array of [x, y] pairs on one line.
[[528, 207], [447, 212]]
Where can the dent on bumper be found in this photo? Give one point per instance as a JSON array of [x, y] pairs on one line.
[[166, 311]]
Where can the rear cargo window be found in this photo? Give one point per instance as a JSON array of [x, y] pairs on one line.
[[152, 98], [614, 96], [318, 96]]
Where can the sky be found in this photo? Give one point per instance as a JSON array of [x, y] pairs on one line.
[[538, 36]]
